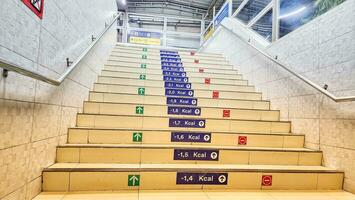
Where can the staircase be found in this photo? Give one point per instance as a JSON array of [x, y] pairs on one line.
[[154, 124]]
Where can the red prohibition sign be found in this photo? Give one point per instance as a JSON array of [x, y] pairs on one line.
[[242, 140], [266, 180]]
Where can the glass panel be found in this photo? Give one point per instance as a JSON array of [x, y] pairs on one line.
[[146, 22], [251, 9], [236, 4], [183, 25], [295, 13], [183, 41], [264, 26]]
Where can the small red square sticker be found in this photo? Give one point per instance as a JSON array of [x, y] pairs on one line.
[[201, 70], [207, 81], [197, 61], [215, 94], [266, 180], [192, 53], [242, 140], [226, 113]]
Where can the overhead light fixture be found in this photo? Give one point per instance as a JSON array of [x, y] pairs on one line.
[[293, 13], [124, 2]]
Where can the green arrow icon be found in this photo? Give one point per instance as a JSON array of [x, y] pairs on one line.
[[144, 56], [139, 109], [141, 91], [137, 137], [143, 65], [145, 49], [142, 77], [133, 180]]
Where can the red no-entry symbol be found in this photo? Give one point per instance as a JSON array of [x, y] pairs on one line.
[[197, 61], [226, 113], [242, 140], [192, 53], [215, 94], [266, 180], [207, 81], [201, 70]]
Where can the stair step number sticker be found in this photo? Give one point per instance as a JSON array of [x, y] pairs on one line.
[[181, 101], [176, 79], [188, 123], [173, 73], [179, 92], [191, 137], [175, 69], [176, 110], [171, 64], [201, 178], [198, 154], [177, 85]]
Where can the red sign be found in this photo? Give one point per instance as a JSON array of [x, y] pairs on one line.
[[201, 70], [207, 80], [197, 61], [36, 6], [226, 113], [242, 140], [215, 94], [266, 180], [192, 53]]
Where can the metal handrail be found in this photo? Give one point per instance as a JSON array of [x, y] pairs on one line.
[[18, 69], [304, 79]]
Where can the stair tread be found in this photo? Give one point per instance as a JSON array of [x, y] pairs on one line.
[[191, 147], [189, 167]]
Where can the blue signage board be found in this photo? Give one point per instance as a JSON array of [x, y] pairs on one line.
[[187, 123], [177, 85], [169, 52], [179, 92], [197, 137], [181, 101], [185, 178], [172, 73], [223, 13], [196, 154], [172, 64], [177, 110], [169, 55], [166, 59], [176, 69], [176, 79]]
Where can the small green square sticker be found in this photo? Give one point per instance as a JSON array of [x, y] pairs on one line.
[[145, 49], [144, 56], [140, 110], [143, 65], [133, 180], [137, 137], [142, 77], [141, 91]]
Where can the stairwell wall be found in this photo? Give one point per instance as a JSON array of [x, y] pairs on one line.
[[34, 116], [323, 50]]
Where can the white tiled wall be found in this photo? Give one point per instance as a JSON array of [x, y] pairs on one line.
[[34, 116], [323, 51]]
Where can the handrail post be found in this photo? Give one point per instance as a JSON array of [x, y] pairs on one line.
[[5, 73]]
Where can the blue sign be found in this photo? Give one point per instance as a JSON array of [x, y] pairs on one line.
[[190, 178], [187, 123], [169, 52], [181, 101], [176, 110], [145, 34], [176, 69], [172, 73], [223, 13], [198, 154], [165, 59], [179, 92], [171, 64], [177, 85], [190, 137], [169, 55], [176, 79]]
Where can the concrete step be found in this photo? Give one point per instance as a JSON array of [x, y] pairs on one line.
[[179, 123], [107, 136], [160, 100], [145, 81], [178, 154], [157, 69], [175, 111], [201, 79], [158, 91], [103, 177]]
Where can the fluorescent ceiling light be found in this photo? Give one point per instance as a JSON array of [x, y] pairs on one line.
[[124, 2], [293, 13]]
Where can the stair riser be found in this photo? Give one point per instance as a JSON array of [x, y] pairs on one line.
[[138, 62], [101, 181], [154, 123], [162, 111], [94, 136], [160, 100], [161, 92], [160, 77], [156, 58], [158, 83], [148, 72], [155, 69]]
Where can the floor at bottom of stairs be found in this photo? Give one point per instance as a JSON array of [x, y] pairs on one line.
[[199, 195]]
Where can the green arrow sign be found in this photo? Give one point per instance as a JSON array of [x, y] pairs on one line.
[[145, 49], [143, 65], [139, 109], [133, 180], [137, 137], [141, 91], [144, 56], [142, 76]]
